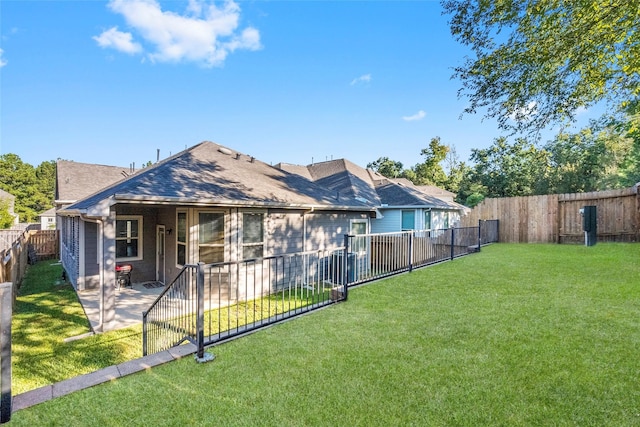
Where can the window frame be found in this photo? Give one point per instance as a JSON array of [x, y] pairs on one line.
[[262, 243], [186, 237], [413, 213], [359, 244], [198, 244], [140, 255]]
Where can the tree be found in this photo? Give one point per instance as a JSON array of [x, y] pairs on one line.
[[33, 188], [6, 219], [387, 167], [538, 62], [429, 171], [507, 170]]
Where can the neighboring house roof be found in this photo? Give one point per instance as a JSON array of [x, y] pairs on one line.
[[6, 195], [210, 174], [49, 212], [352, 180], [432, 190], [75, 181]]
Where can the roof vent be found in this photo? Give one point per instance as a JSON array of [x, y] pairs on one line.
[[225, 150]]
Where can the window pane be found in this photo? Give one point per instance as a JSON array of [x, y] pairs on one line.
[[408, 220], [253, 251], [127, 228], [211, 254], [182, 254], [252, 228], [427, 220], [358, 228], [211, 228], [182, 226], [126, 249]]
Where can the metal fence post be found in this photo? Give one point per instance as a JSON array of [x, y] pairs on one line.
[[411, 235], [345, 275], [201, 356], [479, 234], [453, 235], [6, 303]]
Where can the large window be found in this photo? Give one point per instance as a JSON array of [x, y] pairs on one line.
[[181, 239], [252, 235], [210, 237], [128, 238], [408, 220]]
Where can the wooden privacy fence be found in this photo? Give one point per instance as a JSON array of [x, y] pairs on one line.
[[556, 218], [29, 247]]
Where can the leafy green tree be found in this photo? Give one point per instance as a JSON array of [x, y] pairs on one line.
[[507, 170], [387, 167], [6, 219], [538, 62], [33, 188], [430, 172]]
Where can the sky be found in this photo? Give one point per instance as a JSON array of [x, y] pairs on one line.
[[113, 82]]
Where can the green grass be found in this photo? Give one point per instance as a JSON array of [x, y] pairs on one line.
[[517, 335]]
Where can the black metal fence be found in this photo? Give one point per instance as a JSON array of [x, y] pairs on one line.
[[209, 303]]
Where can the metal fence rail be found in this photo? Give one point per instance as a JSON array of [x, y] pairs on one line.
[[209, 303]]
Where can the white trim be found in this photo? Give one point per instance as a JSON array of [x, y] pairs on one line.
[[161, 270], [186, 243], [263, 243]]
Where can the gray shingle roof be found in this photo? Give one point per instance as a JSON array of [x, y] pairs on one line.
[[349, 179], [6, 195], [216, 175], [75, 181]]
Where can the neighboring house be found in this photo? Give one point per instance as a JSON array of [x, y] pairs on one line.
[[48, 219], [75, 181], [399, 204], [206, 204], [11, 199]]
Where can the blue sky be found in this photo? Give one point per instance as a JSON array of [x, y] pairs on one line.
[[284, 81]]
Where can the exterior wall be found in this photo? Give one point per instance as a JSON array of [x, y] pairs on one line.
[[284, 232], [70, 248], [91, 262], [392, 220], [389, 223], [145, 269], [47, 223], [327, 230]]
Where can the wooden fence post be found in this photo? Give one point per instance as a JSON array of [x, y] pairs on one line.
[[6, 309]]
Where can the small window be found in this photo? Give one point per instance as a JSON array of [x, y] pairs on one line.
[[427, 220], [128, 238], [358, 243], [408, 220], [181, 239], [252, 235]]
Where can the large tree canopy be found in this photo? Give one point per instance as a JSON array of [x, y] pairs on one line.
[[538, 62]]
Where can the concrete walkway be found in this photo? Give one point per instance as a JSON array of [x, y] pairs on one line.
[[42, 394]]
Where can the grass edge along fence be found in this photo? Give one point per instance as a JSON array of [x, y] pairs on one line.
[[252, 294]]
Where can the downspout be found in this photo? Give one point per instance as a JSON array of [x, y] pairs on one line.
[[100, 222]]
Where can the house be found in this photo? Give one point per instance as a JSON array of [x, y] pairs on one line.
[[48, 219], [399, 204], [207, 204], [10, 199]]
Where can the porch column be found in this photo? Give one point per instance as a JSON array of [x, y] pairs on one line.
[[109, 271]]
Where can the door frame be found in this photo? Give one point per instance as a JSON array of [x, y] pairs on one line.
[[161, 254]]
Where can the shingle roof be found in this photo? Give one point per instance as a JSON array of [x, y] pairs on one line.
[[216, 175], [75, 181], [352, 180], [6, 195]]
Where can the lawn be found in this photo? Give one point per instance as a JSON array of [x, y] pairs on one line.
[[515, 335]]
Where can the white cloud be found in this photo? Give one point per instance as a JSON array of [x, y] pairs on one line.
[[366, 78], [417, 116], [118, 40], [205, 34], [3, 62]]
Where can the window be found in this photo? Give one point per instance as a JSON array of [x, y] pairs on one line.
[[129, 238], [427, 220], [252, 235], [181, 238], [210, 237], [358, 226], [408, 220], [445, 216]]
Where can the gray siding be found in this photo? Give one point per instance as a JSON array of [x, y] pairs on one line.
[[327, 230], [91, 265]]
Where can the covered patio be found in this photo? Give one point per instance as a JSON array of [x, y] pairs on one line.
[[130, 303]]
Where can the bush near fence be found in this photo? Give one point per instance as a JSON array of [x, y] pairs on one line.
[[556, 218]]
